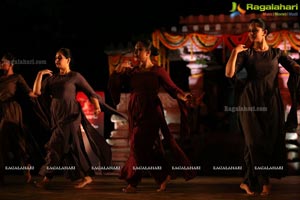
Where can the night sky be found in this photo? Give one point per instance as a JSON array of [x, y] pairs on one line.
[[36, 29]]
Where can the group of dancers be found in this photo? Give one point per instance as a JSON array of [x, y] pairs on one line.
[[54, 103], [53, 100]]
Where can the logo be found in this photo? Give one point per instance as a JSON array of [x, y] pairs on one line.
[[278, 9], [236, 10], [272, 7]]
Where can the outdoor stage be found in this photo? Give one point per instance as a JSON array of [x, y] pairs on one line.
[[109, 187]]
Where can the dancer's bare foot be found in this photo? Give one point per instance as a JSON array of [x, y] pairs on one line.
[[85, 181], [43, 183], [28, 176], [163, 185], [129, 189], [266, 190], [245, 187]]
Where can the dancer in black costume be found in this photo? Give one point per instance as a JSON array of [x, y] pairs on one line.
[[65, 147], [13, 137], [262, 120]]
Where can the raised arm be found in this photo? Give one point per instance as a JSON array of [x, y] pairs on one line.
[[230, 66], [118, 79], [37, 86]]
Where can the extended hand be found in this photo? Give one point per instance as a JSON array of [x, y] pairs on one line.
[[187, 97], [97, 111], [239, 48], [46, 71], [124, 66]]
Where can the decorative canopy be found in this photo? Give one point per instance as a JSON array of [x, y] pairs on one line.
[[206, 42]]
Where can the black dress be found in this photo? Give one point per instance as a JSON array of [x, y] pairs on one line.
[[293, 83], [12, 130], [261, 114], [65, 147]]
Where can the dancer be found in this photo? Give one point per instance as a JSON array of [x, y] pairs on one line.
[[146, 118], [13, 137], [66, 147], [262, 120]]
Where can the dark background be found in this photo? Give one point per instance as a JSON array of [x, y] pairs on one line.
[[36, 29]]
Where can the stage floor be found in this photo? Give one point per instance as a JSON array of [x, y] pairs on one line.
[[109, 187]]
